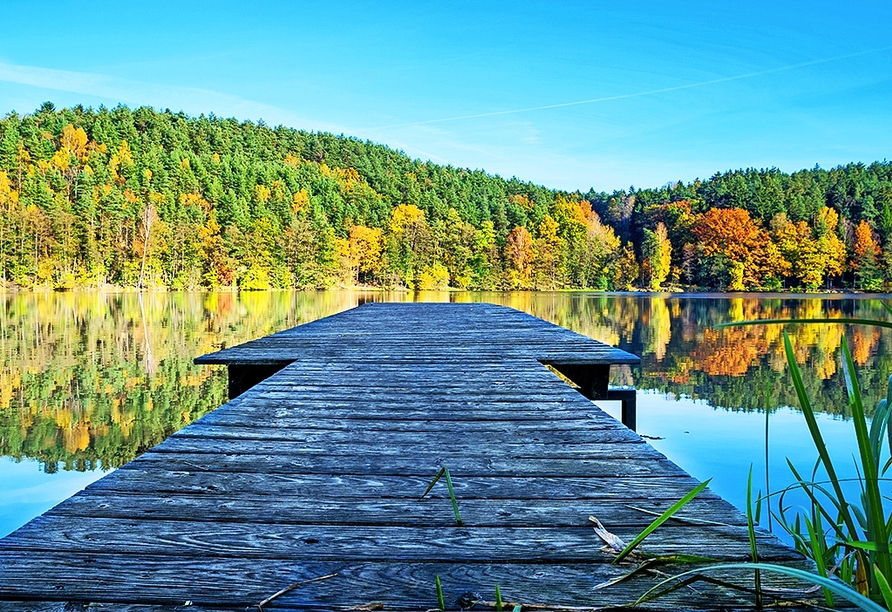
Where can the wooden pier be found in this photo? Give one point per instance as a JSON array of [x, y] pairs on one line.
[[316, 470]]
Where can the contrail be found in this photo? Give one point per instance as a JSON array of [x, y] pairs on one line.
[[651, 92]]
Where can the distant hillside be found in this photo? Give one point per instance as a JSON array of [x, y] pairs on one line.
[[146, 198]]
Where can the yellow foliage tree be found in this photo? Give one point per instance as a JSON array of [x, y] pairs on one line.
[[404, 217], [74, 142], [262, 193], [409, 242], [365, 246], [300, 201], [434, 278], [548, 247]]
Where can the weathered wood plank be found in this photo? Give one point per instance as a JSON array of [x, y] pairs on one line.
[[288, 417], [394, 542], [478, 512], [282, 445], [200, 482], [459, 411], [362, 438], [400, 464], [239, 583]]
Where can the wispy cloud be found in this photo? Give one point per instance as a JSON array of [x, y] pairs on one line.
[[638, 94], [192, 100]]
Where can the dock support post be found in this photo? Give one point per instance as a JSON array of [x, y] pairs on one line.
[[591, 379], [629, 401], [244, 376], [593, 383]]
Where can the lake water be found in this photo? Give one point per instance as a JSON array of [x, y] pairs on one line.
[[89, 381]]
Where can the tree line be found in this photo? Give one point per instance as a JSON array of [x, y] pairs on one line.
[[145, 198]]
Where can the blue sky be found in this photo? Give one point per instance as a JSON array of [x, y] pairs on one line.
[[571, 95]]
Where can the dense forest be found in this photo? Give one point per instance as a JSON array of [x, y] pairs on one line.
[[141, 198]]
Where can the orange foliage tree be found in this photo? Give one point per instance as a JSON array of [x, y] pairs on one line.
[[865, 258], [733, 234], [520, 255]]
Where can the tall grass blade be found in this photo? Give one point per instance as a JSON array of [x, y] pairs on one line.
[[881, 417], [819, 550], [809, 488], [767, 464], [888, 403], [836, 587], [884, 587], [660, 520], [444, 471], [498, 599], [751, 530], [818, 440], [878, 426], [875, 519], [441, 603], [433, 482], [452, 497]]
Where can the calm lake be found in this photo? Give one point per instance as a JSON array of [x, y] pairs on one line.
[[89, 381]]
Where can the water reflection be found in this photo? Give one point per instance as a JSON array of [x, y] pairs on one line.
[[683, 354], [92, 380]]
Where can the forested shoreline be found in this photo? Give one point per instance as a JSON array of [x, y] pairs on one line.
[[142, 198]]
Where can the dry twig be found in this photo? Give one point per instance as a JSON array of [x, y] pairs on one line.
[[291, 587]]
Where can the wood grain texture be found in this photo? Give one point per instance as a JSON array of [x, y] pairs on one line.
[[320, 468], [399, 585]]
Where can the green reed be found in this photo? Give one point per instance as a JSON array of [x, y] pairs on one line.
[[444, 471], [441, 603]]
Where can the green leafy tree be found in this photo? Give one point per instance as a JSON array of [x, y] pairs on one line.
[[656, 253]]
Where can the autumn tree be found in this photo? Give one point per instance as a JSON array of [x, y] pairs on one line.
[[9, 198], [731, 235], [410, 242], [626, 269], [486, 258], [520, 255], [570, 216], [455, 241], [218, 267], [813, 253], [832, 250], [365, 247], [548, 247], [599, 253], [865, 259]]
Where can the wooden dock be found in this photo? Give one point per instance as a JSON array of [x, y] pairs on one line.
[[318, 470]]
